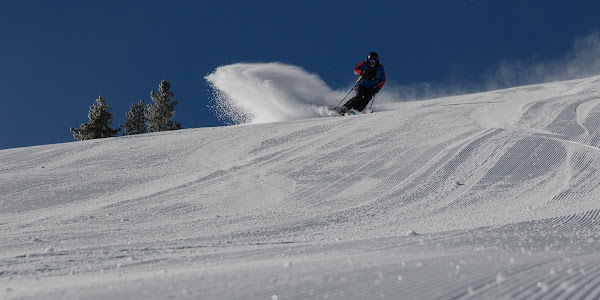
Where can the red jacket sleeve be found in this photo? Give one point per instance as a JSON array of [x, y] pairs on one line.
[[358, 70]]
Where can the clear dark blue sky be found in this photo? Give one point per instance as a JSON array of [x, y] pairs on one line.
[[56, 57]]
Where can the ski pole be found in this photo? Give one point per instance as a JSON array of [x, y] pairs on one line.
[[344, 98], [372, 101], [357, 80]]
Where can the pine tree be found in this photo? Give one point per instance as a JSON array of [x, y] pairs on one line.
[[160, 113], [99, 125], [135, 122]]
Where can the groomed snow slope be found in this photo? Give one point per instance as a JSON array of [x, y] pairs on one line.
[[485, 196]]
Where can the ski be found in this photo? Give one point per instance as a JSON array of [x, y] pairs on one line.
[[354, 112]]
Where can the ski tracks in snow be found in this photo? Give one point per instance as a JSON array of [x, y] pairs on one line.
[[484, 196]]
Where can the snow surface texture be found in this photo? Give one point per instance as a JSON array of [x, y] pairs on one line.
[[485, 196]]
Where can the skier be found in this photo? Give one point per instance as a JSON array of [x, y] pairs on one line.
[[372, 79]]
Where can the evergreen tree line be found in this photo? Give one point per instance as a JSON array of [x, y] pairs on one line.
[[140, 118]]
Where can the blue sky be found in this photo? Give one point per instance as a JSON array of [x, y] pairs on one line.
[[57, 57]]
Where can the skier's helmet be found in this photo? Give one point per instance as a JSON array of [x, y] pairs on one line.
[[373, 56]]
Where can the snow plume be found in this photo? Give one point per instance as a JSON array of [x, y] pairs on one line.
[[269, 92], [582, 60]]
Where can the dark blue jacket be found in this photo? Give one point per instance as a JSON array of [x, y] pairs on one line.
[[372, 77]]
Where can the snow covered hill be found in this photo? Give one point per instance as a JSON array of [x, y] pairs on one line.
[[485, 196]]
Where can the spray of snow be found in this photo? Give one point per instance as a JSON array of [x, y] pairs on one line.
[[582, 60], [270, 92]]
